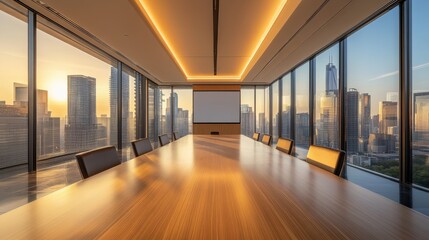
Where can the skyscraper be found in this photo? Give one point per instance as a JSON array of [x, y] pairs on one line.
[[261, 123], [388, 112], [48, 128], [352, 115], [327, 132], [13, 135], [286, 123], [421, 119], [331, 78], [302, 129], [247, 122], [364, 121], [81, 128], [113, 94]]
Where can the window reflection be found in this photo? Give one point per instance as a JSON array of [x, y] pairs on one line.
[[420, 93]]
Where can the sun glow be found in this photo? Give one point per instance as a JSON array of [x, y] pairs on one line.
[[156, 26]]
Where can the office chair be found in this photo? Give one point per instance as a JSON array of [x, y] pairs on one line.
[[97, 160], [256, 136], [164, 139], [141, 146], [331, 160], [285, 145], [266, 139]]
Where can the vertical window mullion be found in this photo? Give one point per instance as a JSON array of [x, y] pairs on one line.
[[32, 92], [406, 173], [292, 104]]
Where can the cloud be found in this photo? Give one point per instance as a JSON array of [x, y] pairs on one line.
[[385, 75], [421, 66], [424, 65]]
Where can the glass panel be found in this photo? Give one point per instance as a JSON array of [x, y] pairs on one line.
[[372, 98], [267, 110], [260, 109], [302, 136], [275, 99], [326, 99], [420, 95], [247, 111], [13, 87], [129, 78], [286, 92], [153, 113], [166, 118], [182, 106], [77, 95]]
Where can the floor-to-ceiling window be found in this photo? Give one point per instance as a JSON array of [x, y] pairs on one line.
[[420, 92], [275, 111], [326, 98], [372, 121], [286, 104], [77, 94], [182, 110], [13, 85], [302, 108], [247, 110]]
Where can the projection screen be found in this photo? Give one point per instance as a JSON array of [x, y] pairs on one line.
[[216, 106]]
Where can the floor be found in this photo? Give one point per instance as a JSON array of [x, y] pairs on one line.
[[17, 187]]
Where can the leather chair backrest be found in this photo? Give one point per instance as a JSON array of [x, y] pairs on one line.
[[266, 139], [256, 136], [141, 146], [331, 160], [285, 145], [97, 160], [164, 140]]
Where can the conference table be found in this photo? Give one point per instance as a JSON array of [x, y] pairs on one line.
[[214, 187]]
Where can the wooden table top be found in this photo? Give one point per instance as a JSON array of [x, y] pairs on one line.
[[214, 187]]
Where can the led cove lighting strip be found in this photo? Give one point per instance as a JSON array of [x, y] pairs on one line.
[[143, 7]]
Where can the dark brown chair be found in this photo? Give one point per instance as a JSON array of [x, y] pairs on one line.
[[164, 140], [141, 146], [97, 160], [285, 145], [266, 139], [175, 136], [256, 136], [331, 160]]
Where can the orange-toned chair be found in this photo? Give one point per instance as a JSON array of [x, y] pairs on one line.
[[331, 160], [285, 145], [266, 139]]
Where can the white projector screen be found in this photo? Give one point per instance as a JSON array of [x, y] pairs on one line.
[[216, 106]]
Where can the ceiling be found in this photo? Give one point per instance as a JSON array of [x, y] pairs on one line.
[[171, 41]]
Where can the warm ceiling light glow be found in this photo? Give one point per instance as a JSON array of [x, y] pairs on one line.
[[150, 16], [264, 35]]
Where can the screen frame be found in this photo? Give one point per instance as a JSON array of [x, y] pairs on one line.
[[193, 107]]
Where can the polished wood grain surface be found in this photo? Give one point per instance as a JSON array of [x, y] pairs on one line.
[[214, 187]]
